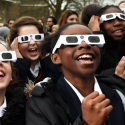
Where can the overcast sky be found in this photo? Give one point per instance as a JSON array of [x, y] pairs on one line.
[[112, 2]]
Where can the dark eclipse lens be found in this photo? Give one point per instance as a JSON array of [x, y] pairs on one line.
[[109, 16], [6, 56], [93, 39], [122, 16], [71, 39], [25, 38], [37, 37]]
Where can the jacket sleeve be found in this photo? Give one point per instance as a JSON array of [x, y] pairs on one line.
[[34, 116], [22, 66], [78, 121]]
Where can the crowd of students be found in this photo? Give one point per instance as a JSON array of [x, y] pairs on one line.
[[73, 74]]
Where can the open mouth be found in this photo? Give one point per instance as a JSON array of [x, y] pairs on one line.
[[86, 58], [2, 74], [32, 51], [118, 32]]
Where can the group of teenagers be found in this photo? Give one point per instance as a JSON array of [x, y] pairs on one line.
[[72, 77]]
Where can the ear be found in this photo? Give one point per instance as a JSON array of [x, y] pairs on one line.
[[55, 58]]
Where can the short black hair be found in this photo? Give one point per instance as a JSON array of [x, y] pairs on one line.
[[11, 19], [88, 12], [53, 19], [50, 41], [103, 9]]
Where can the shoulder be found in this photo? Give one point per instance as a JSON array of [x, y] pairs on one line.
[[38, 100], [109, 72], [15, 110]]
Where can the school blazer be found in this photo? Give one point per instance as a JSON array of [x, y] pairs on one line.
[[116, 117]]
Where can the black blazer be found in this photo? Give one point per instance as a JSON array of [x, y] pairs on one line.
[[48, 69], [116, 117]]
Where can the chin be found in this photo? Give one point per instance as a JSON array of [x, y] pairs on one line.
[[34, 58]]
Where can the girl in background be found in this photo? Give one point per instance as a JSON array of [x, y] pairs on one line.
[[67, 17], [12, 98], [112, 25], [25, 37]]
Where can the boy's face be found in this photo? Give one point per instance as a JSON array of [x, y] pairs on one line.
[[81, 60]]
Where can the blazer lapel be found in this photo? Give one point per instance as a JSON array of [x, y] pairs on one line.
[[69, 96], [116, 117]]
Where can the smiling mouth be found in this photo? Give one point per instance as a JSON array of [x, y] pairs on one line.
[[118, 32], [2, 74], [85, 58]]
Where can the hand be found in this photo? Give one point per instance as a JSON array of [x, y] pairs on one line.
[[94, 24], [95, 109], [14, 47], [120, 68]]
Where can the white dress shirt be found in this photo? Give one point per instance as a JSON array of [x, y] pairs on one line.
[[2, 107], [96, 88], [36, 69]]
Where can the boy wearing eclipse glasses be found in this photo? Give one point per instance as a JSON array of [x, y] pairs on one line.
[[77, 98]]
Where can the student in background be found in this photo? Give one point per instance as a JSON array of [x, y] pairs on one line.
[[25, 37], [112, 29], [11, 22], [12, 98], [88, 12], [50, 22], [68, 16]]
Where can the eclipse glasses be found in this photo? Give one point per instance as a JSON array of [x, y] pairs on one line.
[[8, 56], [27, 38], [111, 16], [123, 9], [91, 39]]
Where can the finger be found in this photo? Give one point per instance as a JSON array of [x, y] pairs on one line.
[[104, 103], [99, 98], [13, 43], [16, 39], [123, 75], [120, 67], [107, 110], [92, 95], [91, 19]]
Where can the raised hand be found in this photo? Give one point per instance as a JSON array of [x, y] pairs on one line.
[[94, 23], [14, 47], [95, 109], [120, 68]]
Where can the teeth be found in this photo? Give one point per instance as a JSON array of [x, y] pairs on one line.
[[84, 56], [118, 31], [1, 74]]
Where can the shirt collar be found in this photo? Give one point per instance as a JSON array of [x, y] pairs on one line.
[[96, 88], [2, 107], [35, 72]]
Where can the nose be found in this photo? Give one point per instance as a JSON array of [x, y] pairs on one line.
[[84, 45], [32, 42], [117, 22]]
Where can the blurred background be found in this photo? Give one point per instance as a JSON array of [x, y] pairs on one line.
[[43, 8]]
